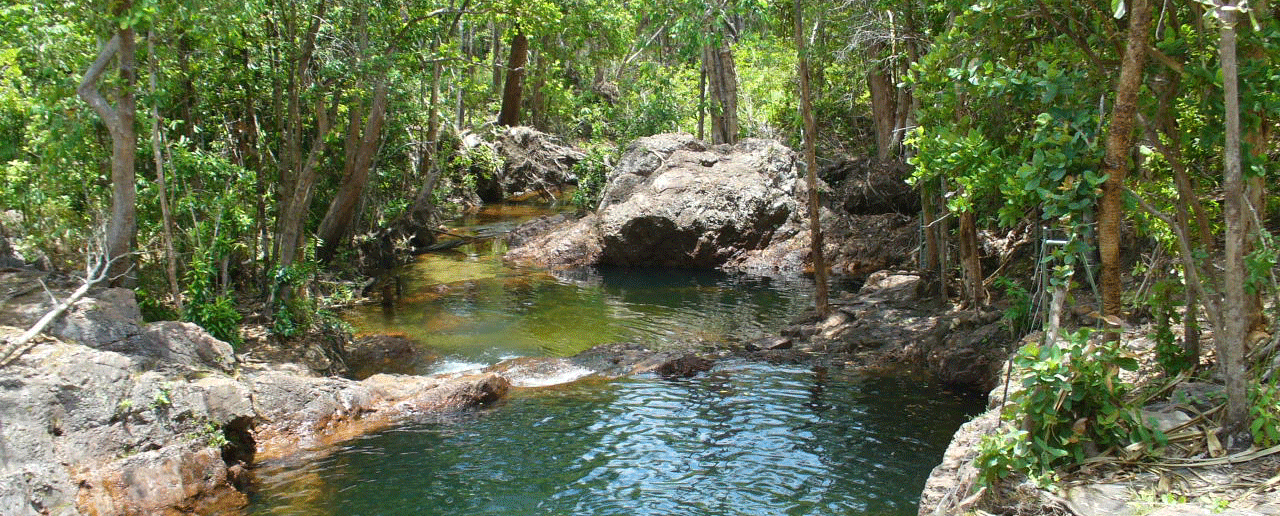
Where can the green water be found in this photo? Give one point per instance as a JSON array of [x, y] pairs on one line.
[[743, 439]]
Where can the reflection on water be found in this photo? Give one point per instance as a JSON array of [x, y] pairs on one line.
[[469, 307], [745, 439]]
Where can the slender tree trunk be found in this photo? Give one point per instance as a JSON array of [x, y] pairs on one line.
[[1119, 145], [811, 167], [1230, 342], [512, 91], [290, 236], [157, 154], [496, 55], [124, 143], [337, 220], [722, 84], [702, 103]]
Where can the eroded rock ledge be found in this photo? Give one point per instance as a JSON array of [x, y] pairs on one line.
[[111, 416]]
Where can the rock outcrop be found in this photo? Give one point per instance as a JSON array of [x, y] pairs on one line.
[[674, 201], [893, 319], [109, 416]]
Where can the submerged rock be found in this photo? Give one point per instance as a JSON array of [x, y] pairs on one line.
[[684, 366]]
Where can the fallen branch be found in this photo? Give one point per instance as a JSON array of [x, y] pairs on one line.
[[25, 341]]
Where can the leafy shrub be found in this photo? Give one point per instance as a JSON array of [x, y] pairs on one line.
[[292, 311], [1071, 398], [591, 172], [1170, 355], [1264, 413], [1018, 317], [214, 312]]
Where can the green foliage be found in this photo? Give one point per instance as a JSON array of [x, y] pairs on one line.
[[205, 306], [1071, 398], [1264, 413], [1019, 317], [292, 312], [592, 173], [1165, 297]]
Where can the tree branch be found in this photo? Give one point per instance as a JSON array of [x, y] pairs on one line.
[[89, 91]]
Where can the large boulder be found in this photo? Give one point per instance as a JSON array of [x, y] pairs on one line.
[[187, 344], [106, 319], [674, 201], [533, 162], [866, 186]]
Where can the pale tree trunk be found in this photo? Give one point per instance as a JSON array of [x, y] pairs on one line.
[[337, 220], [1119, 145], [289, 235], [297, 176], [702, 103], [513, 89], [157, 152], [722, 84], [1231, 341], [811, 167], [124, 143]]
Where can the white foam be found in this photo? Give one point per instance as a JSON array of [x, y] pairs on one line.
[[519, 377]]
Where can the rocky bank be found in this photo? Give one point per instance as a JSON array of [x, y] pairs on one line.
[[107, 415], [675, 201]]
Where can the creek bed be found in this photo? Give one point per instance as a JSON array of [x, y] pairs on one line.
[[744, 438]]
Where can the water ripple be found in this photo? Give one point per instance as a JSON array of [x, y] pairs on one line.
[[742, 439]]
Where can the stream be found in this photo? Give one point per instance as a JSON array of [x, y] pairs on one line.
[[745, 438]]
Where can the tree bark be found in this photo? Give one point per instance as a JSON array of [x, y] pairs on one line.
[[974, 294], [337, 219], [119, 120], [512, 90], [1231, 341], [289, 235], [883, 102], [811, 167], [1119, 145], [722, 84]]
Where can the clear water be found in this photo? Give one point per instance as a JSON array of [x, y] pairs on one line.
[[470, 309], [743, 439]]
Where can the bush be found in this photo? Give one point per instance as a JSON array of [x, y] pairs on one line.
[[1072, 399], [592, 172], [214, 312]]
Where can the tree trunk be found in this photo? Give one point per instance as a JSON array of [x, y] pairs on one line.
[[157, 153], [337, 220], [722, 84], [1119, 145], [297, 177], [974, 294], [512, 91], [702, 103], [883, 103], [1230, 342], [289, 234], [811, 167], [124, 143]]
